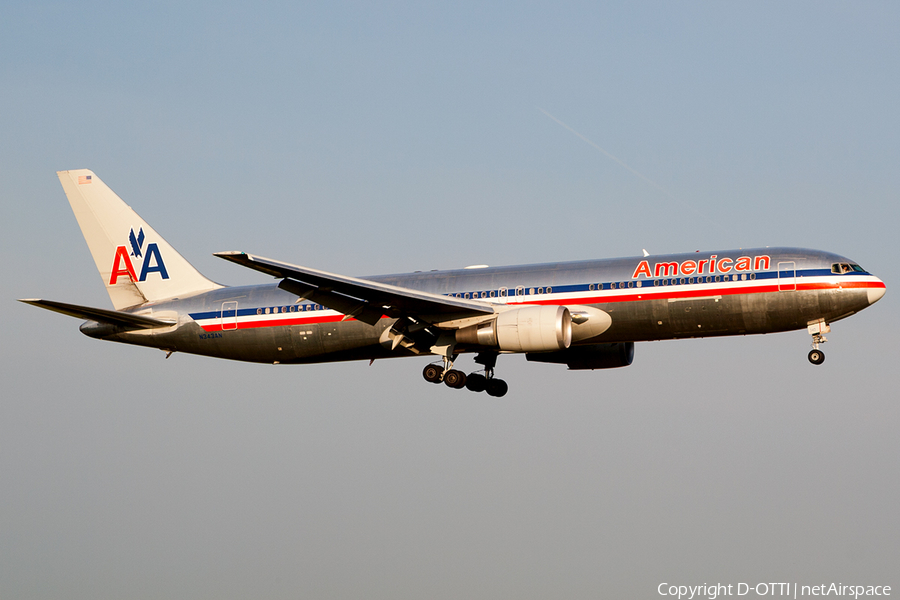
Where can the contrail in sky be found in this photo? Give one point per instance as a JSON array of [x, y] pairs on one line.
[[627, 166]]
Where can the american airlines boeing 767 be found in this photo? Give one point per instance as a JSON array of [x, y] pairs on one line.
[[586, 314]]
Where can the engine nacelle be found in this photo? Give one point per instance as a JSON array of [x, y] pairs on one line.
[[527, 329], [592, 356]]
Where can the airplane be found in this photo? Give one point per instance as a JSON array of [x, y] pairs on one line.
[[586, 314]]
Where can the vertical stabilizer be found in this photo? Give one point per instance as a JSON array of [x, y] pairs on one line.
[[137, 265]]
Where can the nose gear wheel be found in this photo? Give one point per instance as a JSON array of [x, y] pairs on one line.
[[816, 357]]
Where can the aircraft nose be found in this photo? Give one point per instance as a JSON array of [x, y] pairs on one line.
[[875, 293]]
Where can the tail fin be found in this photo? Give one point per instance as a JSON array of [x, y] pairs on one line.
[[136, 264]]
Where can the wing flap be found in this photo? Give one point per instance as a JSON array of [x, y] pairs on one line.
[[113, 317], [352, 307]]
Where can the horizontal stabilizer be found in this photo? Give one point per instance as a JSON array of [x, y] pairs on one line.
[[113, 317], [337, 292]]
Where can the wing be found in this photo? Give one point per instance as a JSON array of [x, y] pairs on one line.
[[362, 299], [101, 315]]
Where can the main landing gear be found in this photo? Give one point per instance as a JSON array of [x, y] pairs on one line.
[[816, 329], [474, 382]]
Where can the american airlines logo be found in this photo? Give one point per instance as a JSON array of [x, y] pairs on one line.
[[709, 266], [150, 260]]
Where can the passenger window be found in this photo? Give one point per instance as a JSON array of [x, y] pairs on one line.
[[549, 290], [503, 292], [520, 291]]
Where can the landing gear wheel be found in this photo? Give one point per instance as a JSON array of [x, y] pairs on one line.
[[455, 379], [476, 382], [432, 373], [497, 388], [816, 357]]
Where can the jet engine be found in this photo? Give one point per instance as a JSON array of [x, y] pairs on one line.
[[527, 329], [592, 356]]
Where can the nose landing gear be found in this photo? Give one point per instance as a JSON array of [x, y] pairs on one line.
[[816, 329]]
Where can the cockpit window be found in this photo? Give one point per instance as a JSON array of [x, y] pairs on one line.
[[840, 268]]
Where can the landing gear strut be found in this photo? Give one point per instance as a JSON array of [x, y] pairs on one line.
[[816, 329]]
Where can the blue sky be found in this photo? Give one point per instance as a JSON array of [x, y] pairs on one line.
[[367, 139]]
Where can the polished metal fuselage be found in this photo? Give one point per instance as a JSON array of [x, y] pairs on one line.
[[792, 288]]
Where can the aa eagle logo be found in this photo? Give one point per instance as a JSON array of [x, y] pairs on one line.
[[151, 259]]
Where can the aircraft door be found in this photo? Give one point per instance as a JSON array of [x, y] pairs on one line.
[[787, 276], [228, 316]]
